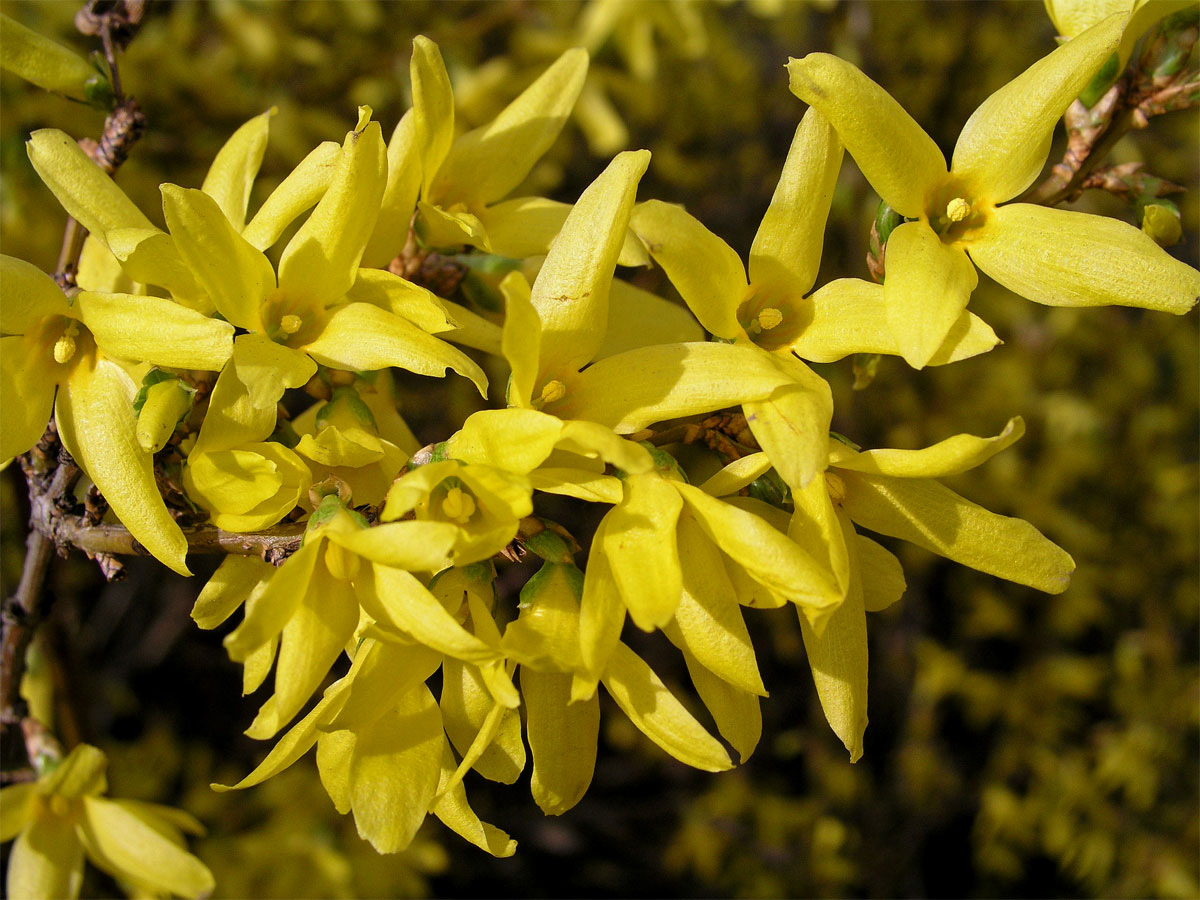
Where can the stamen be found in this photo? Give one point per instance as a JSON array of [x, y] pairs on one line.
[[768, 318], [553, 391], [59, 805], [957, 209], [458, 505], [64, 347], [290, 323]]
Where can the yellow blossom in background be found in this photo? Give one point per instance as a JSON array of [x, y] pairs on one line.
[[63, 817]]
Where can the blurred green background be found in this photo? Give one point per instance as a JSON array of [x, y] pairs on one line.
[[1020, 744]]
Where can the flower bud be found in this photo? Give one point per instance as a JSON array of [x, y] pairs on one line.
[[165, 405]]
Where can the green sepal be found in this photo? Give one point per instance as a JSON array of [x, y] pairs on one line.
[[481, 294], [535, 585], [771, 489], [550, 546], [153, 377], [1102, 81], [886, 221]]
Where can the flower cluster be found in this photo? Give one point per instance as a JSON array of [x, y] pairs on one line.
[[200, 348]]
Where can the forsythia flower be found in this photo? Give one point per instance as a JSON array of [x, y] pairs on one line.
[[63, 354], [1057, 257], [62, 817]]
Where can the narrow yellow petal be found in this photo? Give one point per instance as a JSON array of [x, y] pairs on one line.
[[737, 712], [44, 62], [466, 706], [399, 194], [229, 587], [927, 288], [838, 657], [516, 440], [236, 276], [94, 411], [521, 339], [949, 457], [85, 191], [80, 774], [570, 293], [706, 271], [895, 154], [737, 475], [786, 252], [362, 337], [1004, 144], [485, 164], [455, 813], [395, 773], [382, 672], [300, 190], [577, 483], [471, 329], [934, 517], [639, 543], [335, 753], [524, 226], [321, 260], [848, 316], [124, 845], [231, 175], [444, 228], [269, 611], [154, 330], [265, 370], [15, 809], [26, 395], [639, 387], [708, 623], [1064, 258], [792, 426], [411, 545], [46, 861], [562, 739], [29, 296], [882, 576], [433, 108], [601, 614], [815, 526], [395, 294], [659, 715]]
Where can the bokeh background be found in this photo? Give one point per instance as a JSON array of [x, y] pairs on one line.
[[1020, 744]]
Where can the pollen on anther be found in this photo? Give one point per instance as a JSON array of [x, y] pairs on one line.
[[553, 391], [957, 209], [769, 318], [458, 505], [290, 323]]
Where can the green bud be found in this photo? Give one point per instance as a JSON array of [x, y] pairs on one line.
[[1101, 81], [550, 546], [548, 578], [771, 489], [49, 64], [346, 409], [164, 404], [886, 221]]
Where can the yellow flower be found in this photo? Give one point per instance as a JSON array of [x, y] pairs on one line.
[[771, 307], [63, 816], [1056, 257], [895, 492], [62, 353], [457, 185], [1073, 17]]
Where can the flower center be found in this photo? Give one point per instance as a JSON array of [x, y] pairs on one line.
[[957, 209], [458, 505], [552, 392], [64, 347], [767, 318], [290, 323], [771, 321]]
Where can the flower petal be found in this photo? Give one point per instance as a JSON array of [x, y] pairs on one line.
[[882, 575], [637, 318], [94, 411], [927, 288], [639, 543], [467, 706], [382, 672], [524, 226], [300, 190], [838, 657], [455, 813], [418, 546], [124, 845], [264, 370], [737, 475], [1004, 144], [26, 395], [792, 425], [786, 252], [570, 293], [361, 337], [634, 389], [29, 296], [485, 164], [154, 330], [231, 175], [932, 516], [1064, 258], [268, 612], [85, 191], [46, 861], [895, 154], [706, 271], [236, 276], [949, 457], [395, 772], [521, 339], [736, 712], [848, 316], [433, 108], [80, 774], [399, 195], [562, 739], [601, 618], [395, 294], [321, 260], [236, 579], [659, 715], [16, 809]]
